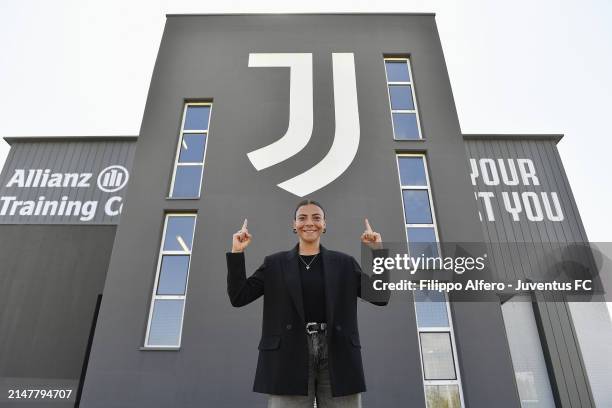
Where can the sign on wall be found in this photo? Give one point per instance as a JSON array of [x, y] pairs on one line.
[[65, 182], [512, 186]]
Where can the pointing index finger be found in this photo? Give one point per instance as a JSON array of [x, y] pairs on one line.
[[368, 227], [244, 225]]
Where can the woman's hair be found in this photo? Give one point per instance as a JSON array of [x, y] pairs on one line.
[[306, 202]]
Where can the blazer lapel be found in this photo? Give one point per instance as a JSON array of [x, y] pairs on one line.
[[291, 271], [330, 284]]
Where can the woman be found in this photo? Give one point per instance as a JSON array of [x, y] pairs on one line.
[[310, 342]]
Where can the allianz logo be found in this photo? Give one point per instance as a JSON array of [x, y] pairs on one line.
[[299, 131], [110, 179]]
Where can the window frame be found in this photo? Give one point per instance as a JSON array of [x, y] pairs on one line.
[[182, 133], [410, 83], [529, 298], [154, 295], [444, 329], [449, 329], [434, 223], [450, 341]]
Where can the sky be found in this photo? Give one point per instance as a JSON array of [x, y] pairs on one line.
[[83, 68]]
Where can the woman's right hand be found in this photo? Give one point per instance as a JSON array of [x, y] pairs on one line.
[[241, 239]]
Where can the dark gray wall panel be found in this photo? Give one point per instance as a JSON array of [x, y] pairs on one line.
[[569, 375], [50, 277]]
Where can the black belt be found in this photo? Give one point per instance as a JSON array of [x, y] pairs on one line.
[[314, 327]]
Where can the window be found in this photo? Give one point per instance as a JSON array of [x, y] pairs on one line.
[[406, 125], [421, 232], [442, 396], [437, 355], [441, 378], [431, 309], [527, 355], [170, 287], [189, 164]]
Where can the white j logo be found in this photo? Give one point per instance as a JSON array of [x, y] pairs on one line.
[[299, 131]]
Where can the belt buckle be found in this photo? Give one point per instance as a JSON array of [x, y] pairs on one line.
[[308, 328]]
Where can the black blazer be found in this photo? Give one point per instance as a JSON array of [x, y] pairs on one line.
[[282, 367]]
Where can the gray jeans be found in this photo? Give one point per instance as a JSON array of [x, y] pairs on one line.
[[319, 383]]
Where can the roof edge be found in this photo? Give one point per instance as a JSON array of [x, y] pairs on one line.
[[94, 138], [365, 13], [513, 136]]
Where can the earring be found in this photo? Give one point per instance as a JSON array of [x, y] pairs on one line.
[[294, 231], [324, 229]]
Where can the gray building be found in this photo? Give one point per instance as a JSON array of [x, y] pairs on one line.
[[113, 281]]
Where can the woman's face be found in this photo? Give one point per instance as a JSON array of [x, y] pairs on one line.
[[309, 222]]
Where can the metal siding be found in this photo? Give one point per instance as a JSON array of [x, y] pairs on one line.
[[560, 336], [589, 321], [592, 324], [65, 157]]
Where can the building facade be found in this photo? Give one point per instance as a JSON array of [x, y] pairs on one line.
[[122, 295]]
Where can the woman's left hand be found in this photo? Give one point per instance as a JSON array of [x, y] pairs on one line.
[[370, 237]]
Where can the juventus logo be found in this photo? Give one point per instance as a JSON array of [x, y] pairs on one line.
[[346, 138]]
